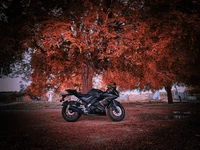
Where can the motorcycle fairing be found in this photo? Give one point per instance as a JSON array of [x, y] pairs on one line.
[[95, 93]]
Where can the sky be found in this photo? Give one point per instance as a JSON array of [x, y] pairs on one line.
[[9, 84]]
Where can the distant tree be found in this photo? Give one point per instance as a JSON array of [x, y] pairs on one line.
[[15, 30]]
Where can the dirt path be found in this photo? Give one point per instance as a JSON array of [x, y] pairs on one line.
[[161, 127]]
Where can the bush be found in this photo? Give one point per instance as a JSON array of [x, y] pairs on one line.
[[11, 96]]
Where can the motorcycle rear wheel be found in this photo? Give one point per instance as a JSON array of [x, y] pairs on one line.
[[70, 115], [116, 115]]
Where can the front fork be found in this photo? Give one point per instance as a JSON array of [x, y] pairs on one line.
[[113, 104]]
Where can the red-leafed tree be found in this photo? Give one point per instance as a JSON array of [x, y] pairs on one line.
[[174, 34], [137, 44], [167, 51], [86, 42]]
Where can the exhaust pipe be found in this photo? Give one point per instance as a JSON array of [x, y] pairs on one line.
[[75, 109]]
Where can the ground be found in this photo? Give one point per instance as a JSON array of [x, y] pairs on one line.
[[161, 126]]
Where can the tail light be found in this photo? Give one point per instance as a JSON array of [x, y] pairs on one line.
[[61, 99]]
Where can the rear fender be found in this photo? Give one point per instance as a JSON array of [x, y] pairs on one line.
[[63, 97], [65, 103]]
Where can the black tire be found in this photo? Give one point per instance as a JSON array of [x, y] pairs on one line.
[[116, 115], [69, 115]]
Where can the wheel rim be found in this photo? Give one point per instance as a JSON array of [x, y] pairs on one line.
[[70, 113], [119, 113]]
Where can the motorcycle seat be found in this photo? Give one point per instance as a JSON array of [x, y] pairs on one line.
[[87, 99], [83, 95]]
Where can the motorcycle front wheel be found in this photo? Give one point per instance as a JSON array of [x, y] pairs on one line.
[[70, 115], [116, 113]]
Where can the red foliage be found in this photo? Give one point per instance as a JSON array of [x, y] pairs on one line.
[[132, 45]]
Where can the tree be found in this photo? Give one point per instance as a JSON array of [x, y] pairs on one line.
[[82, 43], [138, 44], [174, 33], [167, 51], [15, 25]]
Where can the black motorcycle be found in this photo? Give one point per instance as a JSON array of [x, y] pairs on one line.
[[95, 102]]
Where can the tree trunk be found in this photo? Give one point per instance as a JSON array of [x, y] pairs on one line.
[[169, 94], [87, 76]]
